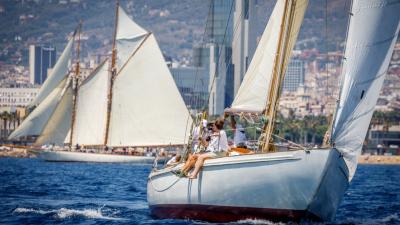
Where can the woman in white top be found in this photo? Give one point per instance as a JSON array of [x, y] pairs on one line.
[[215, 147]]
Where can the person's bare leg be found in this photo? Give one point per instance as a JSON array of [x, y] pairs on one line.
[[189, 163], [199, 165]]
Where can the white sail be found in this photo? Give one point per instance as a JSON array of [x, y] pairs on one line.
[[253, 92], [34, 124], [128, 38], [59, 72], [373, 30], [147, 108], [59, 123], [91, 108]]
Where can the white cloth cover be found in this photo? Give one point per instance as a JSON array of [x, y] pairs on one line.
[[59, 123], [373, 30], [91, 108], [147, 108], [253, 92], [128, 38], [59, 72], [35, 122]]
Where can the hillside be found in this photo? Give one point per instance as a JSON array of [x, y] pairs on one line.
[[178, 25]]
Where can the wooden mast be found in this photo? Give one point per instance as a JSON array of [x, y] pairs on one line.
[[75, 79], [278, 75], [113, 74]]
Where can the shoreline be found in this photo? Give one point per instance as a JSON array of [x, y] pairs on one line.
[[16, 153], [379, 159]]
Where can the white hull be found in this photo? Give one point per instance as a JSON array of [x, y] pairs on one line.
[[278, 186], [71, 156]]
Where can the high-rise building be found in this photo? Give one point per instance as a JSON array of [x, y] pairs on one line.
[[294, 76], [40, 60], [192, 83], [244, 39]]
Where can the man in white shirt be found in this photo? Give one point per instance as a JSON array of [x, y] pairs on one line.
[[239, 138]]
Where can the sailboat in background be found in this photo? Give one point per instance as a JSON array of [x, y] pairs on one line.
[[130, 101], [53, 98], [288, 185]]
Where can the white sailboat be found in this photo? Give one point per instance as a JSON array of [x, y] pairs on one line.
[[135, 105], [290, 185]]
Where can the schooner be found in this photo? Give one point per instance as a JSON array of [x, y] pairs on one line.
[[129, 101], [298, 184]]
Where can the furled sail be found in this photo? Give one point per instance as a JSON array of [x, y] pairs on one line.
[[91, 108], [253, 92], [59, 123], [147, 108], [59, 72], [128, 37], [373, 31], [34, 124]]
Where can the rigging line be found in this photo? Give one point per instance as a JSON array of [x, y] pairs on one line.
[[220, 50], [341, 79], [194, 100], [219, 55], [290, 142]]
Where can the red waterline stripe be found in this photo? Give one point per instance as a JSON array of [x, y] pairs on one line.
[[221, 214]]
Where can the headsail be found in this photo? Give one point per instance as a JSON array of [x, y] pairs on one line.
[[373, 31], [59, 72], [91, 108], [34, 124], [147, 108], [58, 125], [253, 92]]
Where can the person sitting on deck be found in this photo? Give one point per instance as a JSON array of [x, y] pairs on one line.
[[216, 146], [239, 138], [174, 160]]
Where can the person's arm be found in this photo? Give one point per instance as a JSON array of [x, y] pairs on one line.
[[233, 122]]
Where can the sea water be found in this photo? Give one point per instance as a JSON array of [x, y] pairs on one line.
[[37, 192]]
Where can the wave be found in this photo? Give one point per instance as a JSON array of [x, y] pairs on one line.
[[390, 219], [257, 221], [64, 213]]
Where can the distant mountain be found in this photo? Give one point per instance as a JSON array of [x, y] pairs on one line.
[[177, 24]]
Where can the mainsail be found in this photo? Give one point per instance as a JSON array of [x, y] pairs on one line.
[[59, 72], [91, 107], [373, 31], [36, 121], [253, 92], [147, 108]]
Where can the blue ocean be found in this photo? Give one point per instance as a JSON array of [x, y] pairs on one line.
[[37, 192]]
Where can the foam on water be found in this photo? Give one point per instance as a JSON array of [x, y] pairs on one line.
[[391, 219], [64, 213], [257, 221]]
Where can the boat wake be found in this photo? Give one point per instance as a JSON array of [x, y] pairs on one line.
[[64, 213], [391, 219], [256, 222]]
